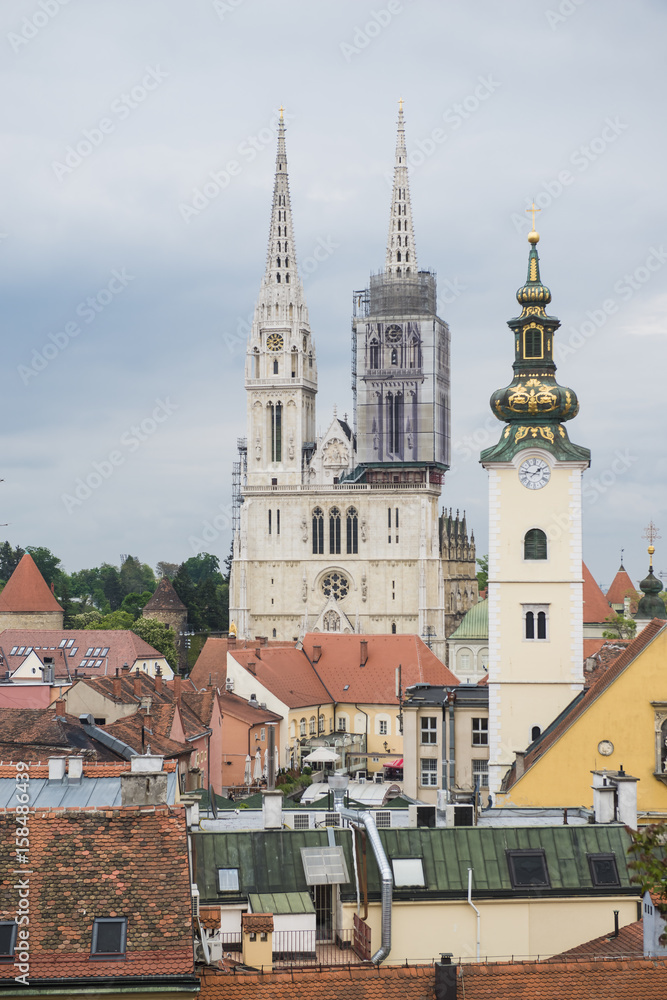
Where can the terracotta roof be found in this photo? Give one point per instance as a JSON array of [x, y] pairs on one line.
[[238, 708], [580, 704], [611, 979], [596, 605], [88, 863], [122, 647], [129, 730], [260, 923], [37, 734], [210, 917], [212, 661], [27, 591], [629, 943], [621, 585], [354, 982], [602, 653], [165, 598]]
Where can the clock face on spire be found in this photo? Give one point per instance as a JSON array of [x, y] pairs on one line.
[[534, 473], [274, 342]]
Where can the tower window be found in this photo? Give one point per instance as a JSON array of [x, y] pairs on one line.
[[394, 356], [277, 525], [532, 342], [374, 360], [269, 522], [318, 532], [535, 544], [275, 367], [351, 524], [276, 412], [535, 618], [393, 628], [278, 277], [334, 531]]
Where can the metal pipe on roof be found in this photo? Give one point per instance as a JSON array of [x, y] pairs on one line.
[[470, 903]]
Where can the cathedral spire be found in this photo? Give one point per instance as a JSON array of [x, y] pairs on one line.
[[281, 255], [401, 259]]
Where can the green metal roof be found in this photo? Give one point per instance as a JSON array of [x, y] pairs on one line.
[[475, 624], [281, 902], [270, 861]]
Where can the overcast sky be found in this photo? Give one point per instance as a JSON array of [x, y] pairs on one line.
[[126, 293]]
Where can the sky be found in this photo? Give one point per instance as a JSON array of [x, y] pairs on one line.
[[136, 161]]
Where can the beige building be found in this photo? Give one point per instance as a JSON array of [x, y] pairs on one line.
[[344, 532]]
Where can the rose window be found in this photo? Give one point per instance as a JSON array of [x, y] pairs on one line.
[[335, 585]]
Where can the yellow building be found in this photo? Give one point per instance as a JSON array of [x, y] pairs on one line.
[[620, 724]]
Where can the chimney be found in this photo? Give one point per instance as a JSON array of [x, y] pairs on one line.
[[117, 683], [136, 685], [317, 652], [364, 652], [178, 680], [74, 769], [146, 703], [626, 799], [61, 707], [520, 765], [146, 783], [56, 768], [126, 668], [604, 798], [231, 641], [258, 653], [158, 680], [251, 667], [445, 978]]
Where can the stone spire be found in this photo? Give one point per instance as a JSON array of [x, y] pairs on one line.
[[281, 286], [401, 257], [534, 405]]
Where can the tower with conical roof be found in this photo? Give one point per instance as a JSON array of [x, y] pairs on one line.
[[535, 544], [27, 601], [281, 370], [401, 357]]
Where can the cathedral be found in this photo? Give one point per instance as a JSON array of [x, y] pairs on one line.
[[344, 532]]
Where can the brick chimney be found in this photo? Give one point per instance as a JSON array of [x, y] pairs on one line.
[[117, 684], [364, 652], [61, 707], [251, 667], [158, 680], [136, 685], [317, 652], [231, 641], [126, 668], [258, 653]]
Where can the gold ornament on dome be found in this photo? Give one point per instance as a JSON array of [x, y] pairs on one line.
[[539, 398], [523, 432]]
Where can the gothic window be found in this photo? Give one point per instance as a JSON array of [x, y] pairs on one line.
[[318, 532], [275, 367], [269, 522], [393, 628], [274, 633], [398, 256], [535, 544], [352, 522], [287, 278], [278, 278], [532, 342], [305, 344], [374, 354], [535, 617], [331, 622], [394, 356], [278, 262], [335, 585], [334, 531], [278, 522], [407, 255], [286, 258], [310, 360], [276, 412], [256, 363], [394, 424]]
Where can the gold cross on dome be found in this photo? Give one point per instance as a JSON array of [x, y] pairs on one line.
[[281, 112], [651, 533], [533, 209]]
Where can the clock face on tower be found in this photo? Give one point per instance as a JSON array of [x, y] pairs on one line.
[[274, 342], [393, 334], [534, 473]]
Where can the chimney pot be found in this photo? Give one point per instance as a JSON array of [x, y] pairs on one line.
[[117, 685], [136, 685], [251, 667]]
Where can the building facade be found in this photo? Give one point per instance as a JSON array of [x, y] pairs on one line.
[[343, 533]]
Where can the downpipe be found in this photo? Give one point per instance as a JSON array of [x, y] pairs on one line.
[[470, 903], [366, 820]]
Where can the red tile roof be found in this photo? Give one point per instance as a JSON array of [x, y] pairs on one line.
[[211, 665], [91, 768], [38, 733], [596, 605], [298, 679], [27, 591], [165, 598], [238, 708], [354, 982], [601, 653], [610, 979], [129, 730], [621, 586], [88, 863], [630, 653], [123, 647], [628, 943]]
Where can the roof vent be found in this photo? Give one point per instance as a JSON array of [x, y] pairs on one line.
[[253, 701], [317, 653], [56, 768], [87, 720]]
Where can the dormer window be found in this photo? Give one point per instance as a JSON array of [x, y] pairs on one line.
[[7, 939], [109, 937]]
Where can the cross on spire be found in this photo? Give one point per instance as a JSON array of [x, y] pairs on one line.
[[533, 209], [401, 257], [651, 534]]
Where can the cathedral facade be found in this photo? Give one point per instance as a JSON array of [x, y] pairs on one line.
[[344, 532]]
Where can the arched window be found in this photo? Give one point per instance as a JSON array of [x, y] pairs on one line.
[[374, 360], [320, 724], [541, 625], [530, 625], [278, 262], [334, 531], [535, 733], [318, 532], [394, 356], [287, 277], [274, 633], [276, 416], [352, 521], [398, 255], [394, 423], [275, 367], [413, 353], [393, 628], [535, 619], [278, 277], [302, 727], [535, 544], [311, 725], [532, 342]]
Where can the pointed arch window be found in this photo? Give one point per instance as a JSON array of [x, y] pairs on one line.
[[394, 356], [394, 432], [352, 531], [278, 280], [374, 354], [535, 544], [318, 532], [398, 256], [276, 415], [334, 531], [414, 360], [277, 261]]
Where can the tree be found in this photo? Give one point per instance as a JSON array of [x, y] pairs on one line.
[[166, 569], [648, 864], [47, 564], [620, 628], [187, 592], [9, 559], [86, 619], [159, 636], [115, 620], [203, 566], [135, 577], [110, 581], [483, 573], [133, 603]]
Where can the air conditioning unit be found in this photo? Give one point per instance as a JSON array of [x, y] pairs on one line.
[[379, 778], [361, 779], [194, 894]]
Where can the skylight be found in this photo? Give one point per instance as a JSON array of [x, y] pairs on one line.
[[62, 643], [74, 650], [228, 879], [13, 651], [324, 865], [408, 871], [105, 651], [70, 642], [89, 651], [109, 937]]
